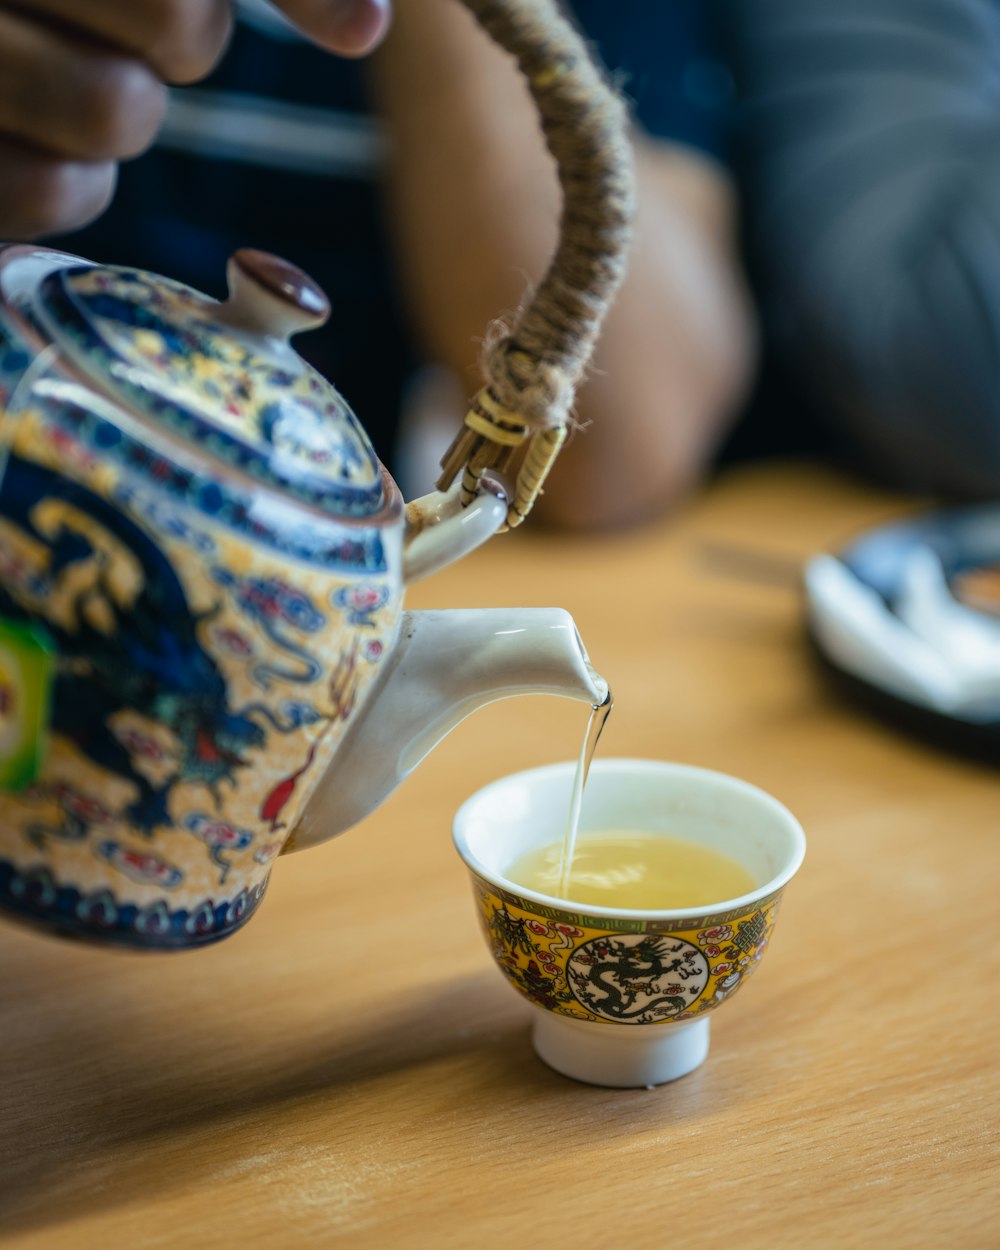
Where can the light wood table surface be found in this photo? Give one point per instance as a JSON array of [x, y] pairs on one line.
[[352, 1070]]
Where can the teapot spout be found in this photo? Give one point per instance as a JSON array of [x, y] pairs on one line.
[[445, 665]]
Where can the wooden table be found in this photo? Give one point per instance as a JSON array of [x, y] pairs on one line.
[[352, 1070]]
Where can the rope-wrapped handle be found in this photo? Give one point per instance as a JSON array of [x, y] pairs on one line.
[[532, 371]]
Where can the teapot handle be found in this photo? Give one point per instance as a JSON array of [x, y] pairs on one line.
[[440, 530], [518, 421]]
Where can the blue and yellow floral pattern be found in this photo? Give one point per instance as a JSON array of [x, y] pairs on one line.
[[157, 345], [208, 639]]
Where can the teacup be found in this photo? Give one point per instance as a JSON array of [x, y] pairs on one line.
[[577, 963]]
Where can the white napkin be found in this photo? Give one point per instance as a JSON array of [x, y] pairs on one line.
[[931, 650]]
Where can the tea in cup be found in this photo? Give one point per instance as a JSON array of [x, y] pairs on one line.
[[670, 905]]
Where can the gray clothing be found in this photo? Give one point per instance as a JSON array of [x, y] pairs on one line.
[[869, 138]]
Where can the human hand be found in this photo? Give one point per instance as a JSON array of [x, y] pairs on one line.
[[82, 86], [347, 27]]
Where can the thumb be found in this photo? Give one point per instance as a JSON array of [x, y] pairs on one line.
[[347, 27]]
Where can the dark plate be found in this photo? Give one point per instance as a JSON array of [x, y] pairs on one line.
[[964, 539]]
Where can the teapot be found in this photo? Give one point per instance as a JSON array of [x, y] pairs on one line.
[[204, 657]]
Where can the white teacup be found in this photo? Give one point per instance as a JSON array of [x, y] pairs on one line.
[[572, 960]]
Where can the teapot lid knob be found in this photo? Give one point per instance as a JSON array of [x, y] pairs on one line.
[[267, 295]]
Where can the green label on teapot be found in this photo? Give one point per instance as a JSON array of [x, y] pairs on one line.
[[26, 668]]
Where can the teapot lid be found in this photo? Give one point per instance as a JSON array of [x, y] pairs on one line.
[[222, 375]]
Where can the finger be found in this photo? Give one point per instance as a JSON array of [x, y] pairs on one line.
[[180, 39], [348, 27], [74, 99], [43, 195]]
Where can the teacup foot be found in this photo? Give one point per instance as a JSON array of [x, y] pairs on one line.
[[621, 1056]]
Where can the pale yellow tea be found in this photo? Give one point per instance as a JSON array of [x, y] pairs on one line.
[[626, 868]]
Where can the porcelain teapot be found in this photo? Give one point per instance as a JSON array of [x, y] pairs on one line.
[[204, 660], [203, 655]]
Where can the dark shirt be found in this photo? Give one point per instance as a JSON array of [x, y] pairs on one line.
[[278, 150], [869, 155]]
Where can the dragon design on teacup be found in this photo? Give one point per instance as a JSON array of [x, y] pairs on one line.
[[637, 979]]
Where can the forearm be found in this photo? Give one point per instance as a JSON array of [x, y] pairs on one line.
[[476, 207]]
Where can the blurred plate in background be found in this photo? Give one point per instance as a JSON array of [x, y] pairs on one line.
[[906, 618]]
